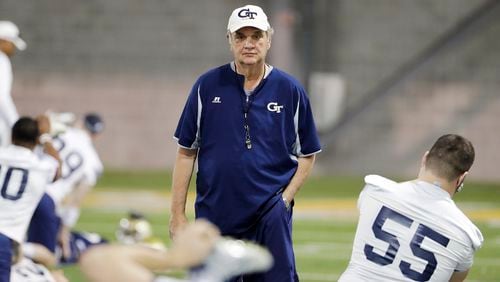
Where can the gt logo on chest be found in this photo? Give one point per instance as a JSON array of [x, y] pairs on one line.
[[274, 107]]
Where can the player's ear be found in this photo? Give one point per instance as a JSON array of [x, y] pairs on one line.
[[229, 41], [460, 182], [461, 178]]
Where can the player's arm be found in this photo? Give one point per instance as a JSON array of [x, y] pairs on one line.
[[8, 111], [459, 276], [71, 214], [73, 202], [40, 254], [305, 164], [46, 141], [183, 170]]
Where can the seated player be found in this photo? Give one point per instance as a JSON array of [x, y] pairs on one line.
[[59, 208], [23, 178], [413, 231]]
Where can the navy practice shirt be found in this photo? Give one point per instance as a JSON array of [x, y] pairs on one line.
[[233, 182]]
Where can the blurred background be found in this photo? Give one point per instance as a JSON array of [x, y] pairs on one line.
[[386, 77]]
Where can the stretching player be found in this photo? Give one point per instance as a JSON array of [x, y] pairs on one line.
[[59, 208], [413, 230], [23, 179], [197, 243]]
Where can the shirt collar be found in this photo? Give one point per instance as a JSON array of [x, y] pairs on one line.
[[433, 189], [268, 69]]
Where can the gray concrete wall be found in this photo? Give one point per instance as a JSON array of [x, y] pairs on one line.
[[454, 92]]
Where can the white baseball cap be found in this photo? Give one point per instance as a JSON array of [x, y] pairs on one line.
[[10, 32], [249, 15]]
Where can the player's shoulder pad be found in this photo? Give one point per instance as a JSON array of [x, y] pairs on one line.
[[379, 181]]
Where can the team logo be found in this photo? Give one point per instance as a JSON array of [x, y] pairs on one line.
[[245, 13], [216, 100], [274, 107]]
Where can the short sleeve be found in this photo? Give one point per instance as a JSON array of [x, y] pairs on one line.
[[187, 132], [308, 140]]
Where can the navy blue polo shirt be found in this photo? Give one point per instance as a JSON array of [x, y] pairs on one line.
[[233, 182]]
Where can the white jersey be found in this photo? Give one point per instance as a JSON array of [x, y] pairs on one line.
[[80, 163], [28, 271], [23, 179], [410, 231], [8, 112]]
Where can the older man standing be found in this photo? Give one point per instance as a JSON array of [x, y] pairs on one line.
[[9, 41], [251, 127]]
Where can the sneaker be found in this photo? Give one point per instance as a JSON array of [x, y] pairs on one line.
[[231, 258]]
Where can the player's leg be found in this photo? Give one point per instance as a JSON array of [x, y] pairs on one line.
[[5, 258], [119, 263], [137, 263], [44, 225], [274, 231], [80, 242]]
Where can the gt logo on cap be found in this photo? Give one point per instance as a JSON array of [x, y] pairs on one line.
[[245, 13]]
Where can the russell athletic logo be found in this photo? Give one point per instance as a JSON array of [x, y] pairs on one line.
[[216, 100], [245, 13], [274, 107]]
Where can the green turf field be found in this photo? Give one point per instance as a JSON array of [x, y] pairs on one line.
[[322, 239]]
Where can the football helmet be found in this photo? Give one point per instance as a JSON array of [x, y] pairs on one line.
[[133, 229]]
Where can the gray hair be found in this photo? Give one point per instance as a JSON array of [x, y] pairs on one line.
[[269, 32]]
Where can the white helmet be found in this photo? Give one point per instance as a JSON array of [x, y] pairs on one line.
[[133, 229]]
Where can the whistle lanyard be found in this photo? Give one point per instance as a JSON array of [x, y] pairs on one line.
[[247, 104], [246, 109]]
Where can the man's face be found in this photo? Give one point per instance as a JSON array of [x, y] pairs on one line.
[[249, 45], [7, 47]]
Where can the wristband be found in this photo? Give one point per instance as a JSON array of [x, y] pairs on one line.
[[29, 250], [44, 138]]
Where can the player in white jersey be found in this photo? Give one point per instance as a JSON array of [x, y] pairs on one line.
[[23, 179], [9, 41], [413, 231], [81, 167]]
